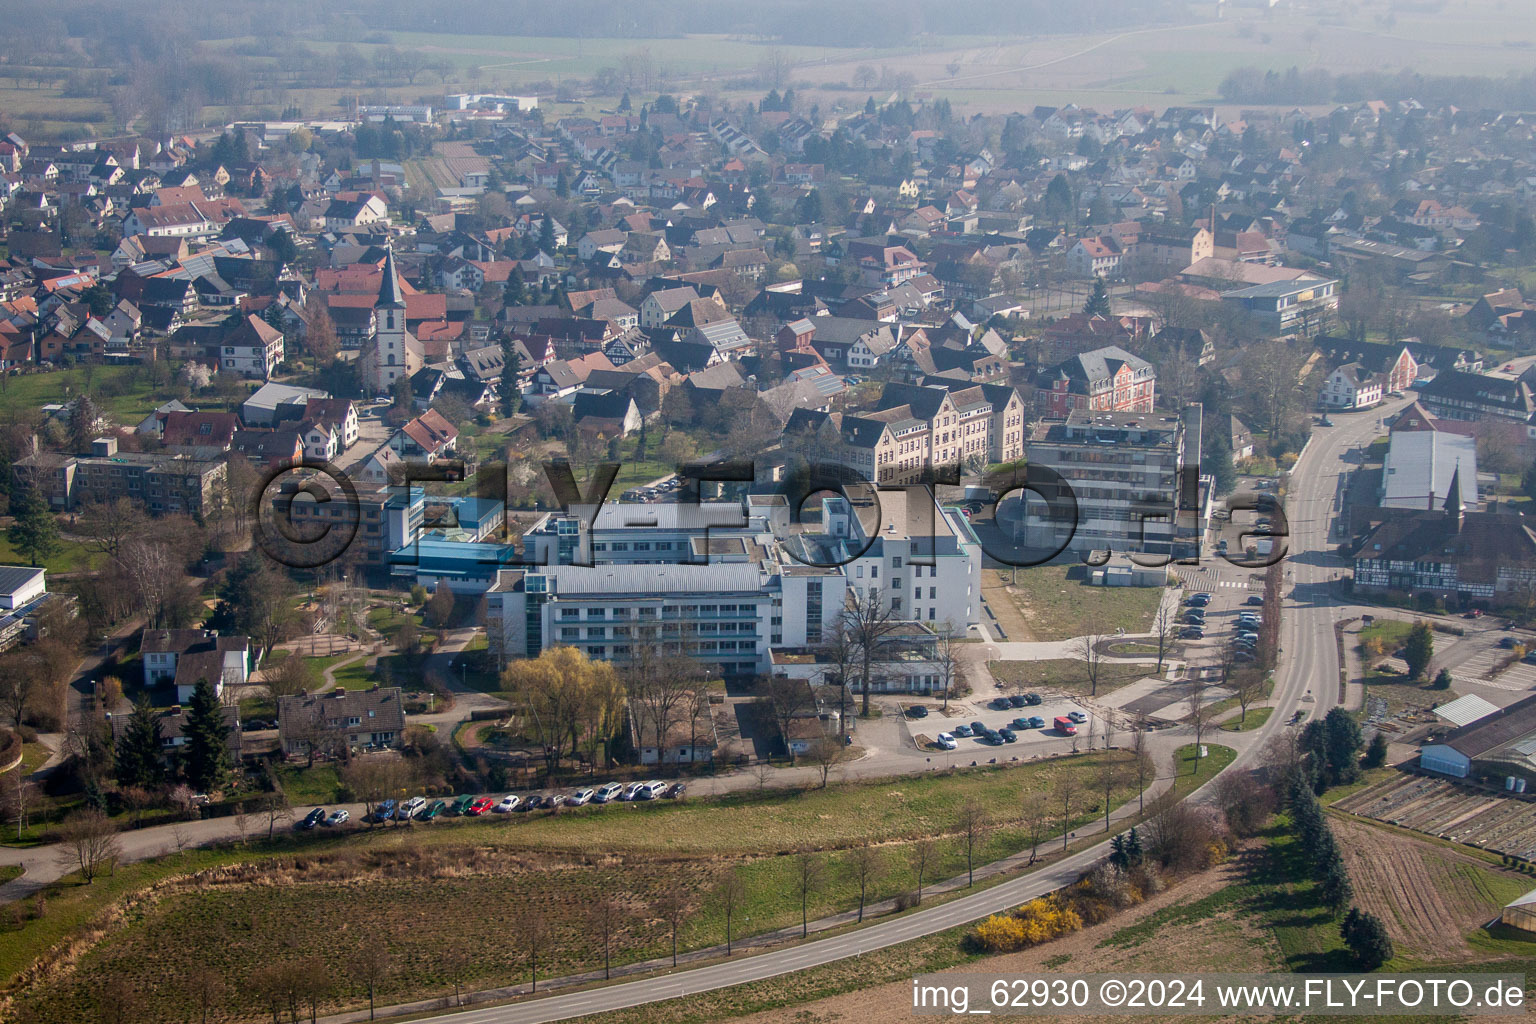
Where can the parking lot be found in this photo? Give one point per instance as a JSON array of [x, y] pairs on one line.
[[1034, 741]]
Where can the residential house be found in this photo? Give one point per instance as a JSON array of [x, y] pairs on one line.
[[184, 656], [331, 724]]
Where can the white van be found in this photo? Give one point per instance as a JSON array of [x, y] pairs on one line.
[[606, 793], [651, 790]]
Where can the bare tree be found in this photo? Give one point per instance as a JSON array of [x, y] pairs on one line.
[[827, 755], [20, 798], [368, 968], [531, 929], [1142, 760], [1037, 820], [1165, 628], [762, 771], [1248, 687], [1086, 649], [866, 866], [1199, 713], [89, 843], [605, 916], [951, 670], [972, 824], [731, 893], [119, 1003], [314, 982], [1065, 793], [869, 620], [276, 807], [455, 962], [810, 873], [672, 908], [1110, 776], [921, 856], [205, 987], [242, 822]]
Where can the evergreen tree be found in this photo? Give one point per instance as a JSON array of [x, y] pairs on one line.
[[283, 249], [206, 753], [1098, 302], [1419, 649], [1059, 201], [137, 754], [547, 234], [1117, 857], [1442, 679], [98, 297], [1367, 938], [624, 102], [1376, 753], [35, 533], [869, 106], [1336, 889], [563, 185], [1342, 742], [1133, 849]]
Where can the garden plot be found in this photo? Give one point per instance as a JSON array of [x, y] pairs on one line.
[[1437, 807]]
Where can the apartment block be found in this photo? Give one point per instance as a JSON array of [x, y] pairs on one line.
[[1134, 477]]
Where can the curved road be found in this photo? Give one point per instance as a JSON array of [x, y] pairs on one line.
[[1306, 679]]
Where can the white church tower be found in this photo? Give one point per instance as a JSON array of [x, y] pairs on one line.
[[395, 353]]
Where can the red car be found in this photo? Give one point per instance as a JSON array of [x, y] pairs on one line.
[[481, 806]]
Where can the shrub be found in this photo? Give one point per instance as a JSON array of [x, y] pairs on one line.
[[998, 934]]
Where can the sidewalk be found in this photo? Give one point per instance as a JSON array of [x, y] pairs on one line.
[[789, 934]]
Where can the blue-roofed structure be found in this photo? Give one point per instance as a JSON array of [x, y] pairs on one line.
[[466, 567]]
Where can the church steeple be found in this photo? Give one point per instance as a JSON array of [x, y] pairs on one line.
[[1453, 504], [390, 295]]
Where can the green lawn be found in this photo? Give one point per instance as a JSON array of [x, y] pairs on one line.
[[1398, 690], [72, 556], [306, 787], [1256, 718], [125, 393], [1067, 675], [1056, 607]]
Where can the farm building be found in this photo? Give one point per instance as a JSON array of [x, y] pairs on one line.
[[1521, 913], [1496, 745]]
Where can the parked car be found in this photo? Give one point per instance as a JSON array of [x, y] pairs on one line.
[[1475, 613], [632, 791], [651, 790], [1199, 600], [461, 805], [581, 797], [607, 792], [508, 803], [962, 730], [1077, 716], [1194, 620], [1001, 703], [432, 810], [1036, 722], [1191, 633], [1506, 642], [1017, 701], [1031, 699], [676, 791], [338, 817], [1022, 722], [946, 740], [917, 711], [1255, 599], [1242, 657], [384, 811], [992, 736], [410, 807], [481, 806], [1008, 735], [1530, 659], [978, 728], [312, 819]]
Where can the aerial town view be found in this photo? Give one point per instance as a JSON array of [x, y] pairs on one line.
[[785, 512]]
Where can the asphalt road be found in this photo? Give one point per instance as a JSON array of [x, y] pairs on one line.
[[1306, 679]]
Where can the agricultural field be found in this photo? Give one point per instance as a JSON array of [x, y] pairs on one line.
[[425, 890], [1250, 914]]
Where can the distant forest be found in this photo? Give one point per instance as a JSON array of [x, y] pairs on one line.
[[1316, 85], [147, 31]]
